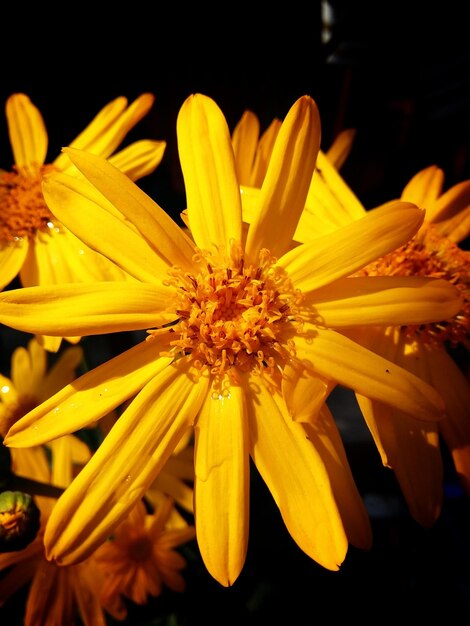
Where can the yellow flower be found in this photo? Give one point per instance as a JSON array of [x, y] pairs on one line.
[[33, 243], [56, 594], [242, 344], [140, 557]]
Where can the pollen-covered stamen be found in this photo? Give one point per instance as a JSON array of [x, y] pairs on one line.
[[431, 254], [23, 210], [233, 316]]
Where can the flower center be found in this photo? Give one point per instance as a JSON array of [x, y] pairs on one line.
[[23, 210], [232, 316], [431, 254], [140, 549]]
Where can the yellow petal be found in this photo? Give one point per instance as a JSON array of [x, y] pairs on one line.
[[85, 308], [125, 464], [77, 204], [339, 150], [382, 300], [351, 247], [12, 258], [334, 356], [139, 159], [28, 367], [326, 439], [425, 187], [91, 396], [28, 135], [109, 127], [208, 165], [244, 142], [61, 373], [303, 392], [222, 476], [451, 203], [297, 478], [457, 228], [287, 181], [264, 151], [449, 380], [409, 446]]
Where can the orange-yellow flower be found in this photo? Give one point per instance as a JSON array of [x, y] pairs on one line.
[[243, 344], [140, 558], [410, 447], [34, 245]]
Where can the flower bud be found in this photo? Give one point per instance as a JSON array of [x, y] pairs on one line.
[[19, 520]]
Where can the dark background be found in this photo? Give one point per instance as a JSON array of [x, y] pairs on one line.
[[398, 73]]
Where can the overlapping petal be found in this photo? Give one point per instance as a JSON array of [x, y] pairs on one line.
[[126, 463], [11, 261], [335, 356], [296, 476], [222, 475], [91, 396], [139, 158], [208, 165], [382, 300], [425, 187], [287, 180], [351, 247], [245, 142]]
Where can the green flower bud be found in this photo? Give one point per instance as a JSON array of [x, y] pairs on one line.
[[19, 520]]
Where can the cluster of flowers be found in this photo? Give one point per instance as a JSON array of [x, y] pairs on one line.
[[277, 286]]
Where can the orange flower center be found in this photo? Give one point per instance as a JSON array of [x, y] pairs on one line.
[[140, 549], [23, 210], [431, 254], [232, 316]]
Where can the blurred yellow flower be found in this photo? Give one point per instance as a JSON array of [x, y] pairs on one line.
[[242, 344], [140, 558], [34, 245]]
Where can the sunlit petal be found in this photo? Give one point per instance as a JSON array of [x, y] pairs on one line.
[[287, 180], [28, 135], [351, 247], [335, 356], [303, 392], [382, 300], [91, 396], [297, 478], [12, 258], [125, 464], [208, 164], [221, 486]]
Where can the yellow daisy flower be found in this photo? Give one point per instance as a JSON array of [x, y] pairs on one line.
[[57, 595], [33, 243], [242, 346], [140, 558]]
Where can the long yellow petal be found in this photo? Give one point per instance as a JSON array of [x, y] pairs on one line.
[[208, 165], [297, 478], [91, 396], [85, 308], [139, 158], [109, 127], [287, 181], [425, 187], [222, 483], [457, 228], [12, 258], [336, 357], [304, 393], [167, 239], [451, 203], [28, 135], [455, 427], [126, 463], [263, 152], [244, 142], [351, 247], [326, 439], [387, 300]]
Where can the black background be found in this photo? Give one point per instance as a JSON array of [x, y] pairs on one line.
[[398, 73]]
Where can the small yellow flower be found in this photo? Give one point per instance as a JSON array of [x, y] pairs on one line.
[[34, 245], [243, 344], [140, 558]]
